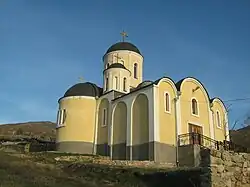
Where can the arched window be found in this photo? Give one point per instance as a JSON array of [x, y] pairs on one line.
[[135, 70], [61, 117], [107, 65], [104, 117], [124, 84], [218, 119], [116, 82], [167, 102], [107, 83], [194, 107]]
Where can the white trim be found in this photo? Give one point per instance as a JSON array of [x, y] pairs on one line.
[[211, 122], [198, 109], [227, 128], [76, 97], [150, 98], [156, 114], [178, 114], [112, 130], [199, 84], [216, 118], [169, 102]]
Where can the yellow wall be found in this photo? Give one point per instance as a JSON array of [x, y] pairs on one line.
[[167, 125], [219, 133], [129, 59], [203, 103], [80, 120], [102, 131]]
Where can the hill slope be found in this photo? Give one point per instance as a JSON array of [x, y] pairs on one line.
[[241, 136], [46, 130], [41, 129]]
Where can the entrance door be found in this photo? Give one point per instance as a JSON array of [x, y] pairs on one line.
[[196, 134]]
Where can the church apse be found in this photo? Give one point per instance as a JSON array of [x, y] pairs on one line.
[[119, 131], [140, 128]]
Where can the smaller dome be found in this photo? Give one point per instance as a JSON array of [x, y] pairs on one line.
[[123, 46], [144, 83], [83, 89], [116, 65]]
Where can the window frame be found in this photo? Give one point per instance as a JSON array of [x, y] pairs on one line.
[[169, 102], [124, 84], [116, 83], [61, 118], [104, 117], [217, 114], [106, 83], [197, 104], [135, 70]]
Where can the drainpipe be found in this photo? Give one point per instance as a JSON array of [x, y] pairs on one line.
[[176, 99]]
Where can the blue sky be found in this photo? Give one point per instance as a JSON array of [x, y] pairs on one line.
[[46, 45]]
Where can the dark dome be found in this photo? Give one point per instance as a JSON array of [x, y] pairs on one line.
[[117, 65], [123, 46], [83, 89], [144, 83]]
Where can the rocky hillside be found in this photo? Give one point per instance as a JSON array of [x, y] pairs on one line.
[[241, 136], [44, 130]]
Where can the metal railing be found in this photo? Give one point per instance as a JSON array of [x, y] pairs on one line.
[[204, 141]]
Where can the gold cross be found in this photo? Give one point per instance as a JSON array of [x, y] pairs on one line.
[[124, 35], [80, 79], [117, 58]]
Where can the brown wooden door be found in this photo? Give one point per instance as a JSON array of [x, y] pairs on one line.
[[196, 136]]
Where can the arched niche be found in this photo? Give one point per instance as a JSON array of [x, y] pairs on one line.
[[119, 131], [140, 128]]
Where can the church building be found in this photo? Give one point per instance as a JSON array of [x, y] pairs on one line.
[[134, 119]]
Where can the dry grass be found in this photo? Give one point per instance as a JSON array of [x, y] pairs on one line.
[[42, 170]]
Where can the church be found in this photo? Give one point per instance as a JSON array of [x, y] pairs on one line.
[[129, 118]]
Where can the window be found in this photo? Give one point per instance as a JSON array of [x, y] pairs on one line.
[[116, 83], [218, 119], [61, 117], [194, 107], [107, 81], [167, 102], [124, 84], [107, 65], [104, 117], [135, 70]]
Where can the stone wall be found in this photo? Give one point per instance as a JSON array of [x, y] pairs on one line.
[[228, 169], [225, 168]]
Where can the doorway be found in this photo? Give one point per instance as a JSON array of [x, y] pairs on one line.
[[195, 134]]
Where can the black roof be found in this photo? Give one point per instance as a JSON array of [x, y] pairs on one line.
[[123, 46], [83, 89], [117, 65]]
